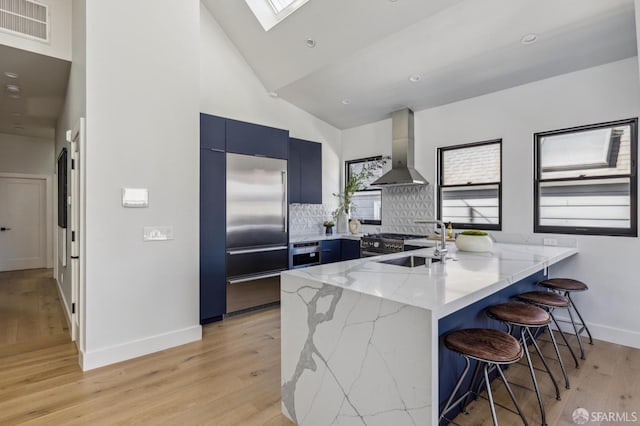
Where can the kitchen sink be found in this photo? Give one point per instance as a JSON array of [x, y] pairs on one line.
[[410, 261]]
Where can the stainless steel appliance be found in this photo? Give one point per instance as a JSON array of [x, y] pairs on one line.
[[377, 244], [304, 254], [257, 230]]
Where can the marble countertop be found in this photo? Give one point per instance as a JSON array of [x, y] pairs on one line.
[[442, 289], [322, 237]]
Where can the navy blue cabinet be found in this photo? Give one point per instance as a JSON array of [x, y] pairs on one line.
[[305, 171], [212, 132], [254, 139], [212, 233], [330, 251], [349, 249]]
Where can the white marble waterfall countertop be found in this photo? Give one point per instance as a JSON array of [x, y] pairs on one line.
[[442, 289]]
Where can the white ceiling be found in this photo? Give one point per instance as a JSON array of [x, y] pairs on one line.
[[43, 83], [367, 49]]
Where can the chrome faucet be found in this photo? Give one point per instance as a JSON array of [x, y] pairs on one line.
[[440, 251]]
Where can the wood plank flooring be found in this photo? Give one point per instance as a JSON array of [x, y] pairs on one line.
[[232, 377]]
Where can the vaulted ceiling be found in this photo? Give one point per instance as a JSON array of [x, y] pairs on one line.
[[366, 50]]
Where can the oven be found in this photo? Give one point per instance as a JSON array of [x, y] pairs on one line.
[[304, 254], [379, 244]]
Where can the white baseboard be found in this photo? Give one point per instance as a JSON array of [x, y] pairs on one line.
[[110, 355], [606, 333], [67, 308]]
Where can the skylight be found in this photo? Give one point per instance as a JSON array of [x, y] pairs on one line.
[[280, 5], [271, 12]]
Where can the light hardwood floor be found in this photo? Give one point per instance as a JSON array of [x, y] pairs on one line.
[[232, 377]]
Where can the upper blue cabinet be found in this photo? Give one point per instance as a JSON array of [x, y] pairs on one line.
[[254, 139], [212, 132], [305, 172]]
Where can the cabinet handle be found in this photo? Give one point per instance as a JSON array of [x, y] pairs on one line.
[[254, 277], [258, 250]]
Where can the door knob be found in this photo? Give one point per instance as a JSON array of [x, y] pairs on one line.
[[5, 229]]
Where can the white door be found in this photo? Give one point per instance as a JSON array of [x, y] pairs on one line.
[[23, 238], [76, 138]]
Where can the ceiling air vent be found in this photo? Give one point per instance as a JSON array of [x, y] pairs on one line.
[[25, 18]]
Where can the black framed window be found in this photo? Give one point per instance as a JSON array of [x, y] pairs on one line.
[[585, 180], [366, 202], [470, 185]]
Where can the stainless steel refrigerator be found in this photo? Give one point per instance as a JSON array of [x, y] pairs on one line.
[[257, 230]]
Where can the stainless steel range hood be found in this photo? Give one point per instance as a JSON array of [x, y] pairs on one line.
[[402, 153]]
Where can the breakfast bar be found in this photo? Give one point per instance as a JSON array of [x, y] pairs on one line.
[[361, 338]]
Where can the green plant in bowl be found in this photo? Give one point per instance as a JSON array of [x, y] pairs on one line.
[[474, 241], [473, 232], [328, 223]]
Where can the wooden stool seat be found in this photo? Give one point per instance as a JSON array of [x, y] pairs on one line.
[[485, 344], [564, 284], [520, 314], [546, 298]]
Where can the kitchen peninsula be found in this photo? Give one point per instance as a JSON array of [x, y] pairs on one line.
[[360, 339]]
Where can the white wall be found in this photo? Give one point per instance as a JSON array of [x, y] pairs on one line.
[[74, 108], [142, 131], [229, 88], [23, 154], [608, 92], [59, 45]]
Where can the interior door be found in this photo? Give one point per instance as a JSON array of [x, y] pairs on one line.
[[76, 139], [23, 242]]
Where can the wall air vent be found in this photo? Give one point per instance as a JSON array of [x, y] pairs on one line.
[[25, 18]]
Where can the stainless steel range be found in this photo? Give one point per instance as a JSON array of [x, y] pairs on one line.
[[377, 244]]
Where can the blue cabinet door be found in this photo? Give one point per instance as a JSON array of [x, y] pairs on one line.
[[212, 132], [350, 249], [305, 171], [254, 139], [213, 274], [294, 172], [330, 251]]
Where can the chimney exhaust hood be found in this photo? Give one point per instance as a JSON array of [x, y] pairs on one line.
[[402, 153]]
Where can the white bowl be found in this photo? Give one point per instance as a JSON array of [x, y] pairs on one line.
[[474, 243]]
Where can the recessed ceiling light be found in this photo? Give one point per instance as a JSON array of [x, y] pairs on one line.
[[393, 1], [414, 78], [14, 96], [273, 94], [346, 101], [311, 43], [11, 74], [18, 127], [16, 114], [529, 38], [12, 89]]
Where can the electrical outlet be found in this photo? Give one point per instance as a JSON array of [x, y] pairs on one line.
[[158, 233], [550, 242]]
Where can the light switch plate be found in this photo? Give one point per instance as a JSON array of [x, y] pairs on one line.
[[135, 197], [158, 233], [550, 242]]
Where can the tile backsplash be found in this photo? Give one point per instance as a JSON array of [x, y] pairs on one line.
[[306, 219], [403, 205]]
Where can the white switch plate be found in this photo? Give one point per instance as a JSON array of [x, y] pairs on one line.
[[550, 242], [158, 233], [135, 197]]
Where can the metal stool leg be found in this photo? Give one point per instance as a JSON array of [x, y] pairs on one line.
[[555, 347], [533, 377], [447, 406], [544, 363], [584, 324], [564, 338], [474, 378], [575, 329], [488, 383], [513, 397]]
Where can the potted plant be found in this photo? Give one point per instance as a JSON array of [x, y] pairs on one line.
[[474, 241], [356, 182], [328, 224]]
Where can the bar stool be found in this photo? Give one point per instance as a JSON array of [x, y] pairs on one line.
[[549, 301], [527, 317], [491, 348], [568, 286]]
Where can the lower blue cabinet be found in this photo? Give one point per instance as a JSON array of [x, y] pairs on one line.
[[330, 251], [349, 249]]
